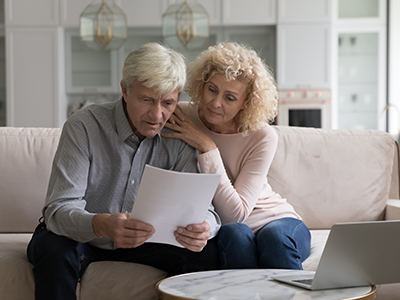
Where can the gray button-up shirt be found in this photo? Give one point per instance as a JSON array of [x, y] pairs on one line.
[[98, 167]]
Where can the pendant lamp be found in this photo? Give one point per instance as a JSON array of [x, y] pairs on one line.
[[186, 25], [103, 26]]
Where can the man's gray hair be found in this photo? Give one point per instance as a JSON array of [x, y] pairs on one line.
[[155, 66]]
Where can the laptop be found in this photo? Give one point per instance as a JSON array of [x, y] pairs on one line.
[[356, 254]]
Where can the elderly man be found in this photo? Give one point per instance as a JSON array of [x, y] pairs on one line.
[[96, 173]]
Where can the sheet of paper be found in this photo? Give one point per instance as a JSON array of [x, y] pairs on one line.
[[168, 199]]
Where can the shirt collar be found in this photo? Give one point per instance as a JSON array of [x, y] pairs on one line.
[[124, 129]]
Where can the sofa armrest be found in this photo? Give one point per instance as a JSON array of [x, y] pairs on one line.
[[392, 209]]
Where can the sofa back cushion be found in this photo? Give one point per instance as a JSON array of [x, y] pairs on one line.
[[333, 176], [329, 176], [26, 155]]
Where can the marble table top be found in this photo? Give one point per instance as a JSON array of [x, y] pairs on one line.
[[250, 284]]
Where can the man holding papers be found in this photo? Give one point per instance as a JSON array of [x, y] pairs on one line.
[[95, 178]]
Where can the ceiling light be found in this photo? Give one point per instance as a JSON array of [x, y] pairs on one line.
[[186, 25], [103, 26]]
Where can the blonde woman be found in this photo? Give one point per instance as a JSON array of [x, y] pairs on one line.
[[233, 98]]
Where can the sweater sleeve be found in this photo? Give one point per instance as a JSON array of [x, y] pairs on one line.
[[236, 198]]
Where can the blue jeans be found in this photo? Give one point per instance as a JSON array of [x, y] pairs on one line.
[[280, 244], [59, 262]]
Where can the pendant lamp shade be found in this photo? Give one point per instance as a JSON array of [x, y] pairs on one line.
[[103, 26], [186, 25]]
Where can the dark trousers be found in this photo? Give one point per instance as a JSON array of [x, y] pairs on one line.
[[59, 262]]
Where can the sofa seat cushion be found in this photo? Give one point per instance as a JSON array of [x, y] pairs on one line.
[[16, 278], [102, 280], [120, 280], [318, 241]]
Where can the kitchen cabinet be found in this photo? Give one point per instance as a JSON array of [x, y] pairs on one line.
[[304, 44], [303, 55], [261, 38], [100, 72], [35, 77], [214, 9], [89, 71], [360, 78], [32, 13], [144, 13], [238, 12], [2, 67], [359, 65], [306, 11], [393, 69], [360, 12], [2, 15], [2, 81], [70, 11], [304, 62], [250, 12], [139, 13]]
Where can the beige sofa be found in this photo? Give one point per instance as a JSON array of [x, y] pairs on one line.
[[329, 177]]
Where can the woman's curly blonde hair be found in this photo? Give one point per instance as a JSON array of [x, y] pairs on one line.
[[240, 62]]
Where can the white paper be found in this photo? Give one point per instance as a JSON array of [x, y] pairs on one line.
[[168, 199]]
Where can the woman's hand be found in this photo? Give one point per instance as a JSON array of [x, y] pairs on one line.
[[187, 131]]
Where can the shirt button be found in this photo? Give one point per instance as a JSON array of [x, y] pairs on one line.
[[133, 182]]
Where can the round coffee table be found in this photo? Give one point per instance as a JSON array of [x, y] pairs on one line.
[[249, 284]]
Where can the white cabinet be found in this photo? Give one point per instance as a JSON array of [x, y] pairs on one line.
[[89, 71], [359, 65], [304, 44], [32, 13], [303, 56], [360, 12], [214, 9], [304, 11], [360, 78], [249, 12], [261, 38], [2, 82], [142, 13], [393, 68], [2, 67], [139, 13], [70, 11], [35, 77]]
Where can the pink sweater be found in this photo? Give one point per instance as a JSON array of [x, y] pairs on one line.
[[243, 194]]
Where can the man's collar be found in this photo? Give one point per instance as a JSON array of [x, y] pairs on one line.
[[124, 129]]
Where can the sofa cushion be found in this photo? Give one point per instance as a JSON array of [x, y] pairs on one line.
[[16, 277], [333, 176], [26, 155], [120, 280], [318, 241]]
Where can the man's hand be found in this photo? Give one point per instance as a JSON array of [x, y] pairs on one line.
[[194, 237], [123, 231]]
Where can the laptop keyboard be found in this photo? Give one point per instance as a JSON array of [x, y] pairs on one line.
[[304, 281]]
